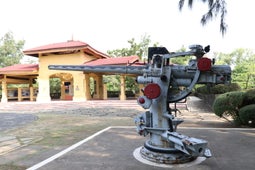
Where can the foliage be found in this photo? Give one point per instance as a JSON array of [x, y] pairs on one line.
[[249, 97], [214, 9], [131, 84], [113, 82], [10, 50], [244, 75], [243, 63], [228, 104], [247, 115], [223, 88], [222, 58], [220, 89], [234, 87], [217, 89], [239, 105], [181, 60], [139, 49], [55, 85], [202, 89], [244, 71]]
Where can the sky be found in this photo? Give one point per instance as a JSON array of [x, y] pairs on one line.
[[109, 24]]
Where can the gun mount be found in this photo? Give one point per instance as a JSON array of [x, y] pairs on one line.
[[166, 83]]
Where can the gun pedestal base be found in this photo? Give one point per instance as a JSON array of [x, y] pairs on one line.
[[164, 155]]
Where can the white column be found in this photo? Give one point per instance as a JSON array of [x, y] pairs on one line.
[[43, 90]]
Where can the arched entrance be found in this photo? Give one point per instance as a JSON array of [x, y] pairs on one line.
[[61, 86]]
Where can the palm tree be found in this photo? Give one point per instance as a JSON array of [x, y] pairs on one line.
[[215, 7]]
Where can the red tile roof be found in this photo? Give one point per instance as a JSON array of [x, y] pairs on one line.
[[20, 68], [63, 46], [113, 61]]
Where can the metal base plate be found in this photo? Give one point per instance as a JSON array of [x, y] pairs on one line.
[[176, 157], [165, 160]]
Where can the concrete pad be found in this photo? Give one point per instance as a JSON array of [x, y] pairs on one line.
[[232, 149]]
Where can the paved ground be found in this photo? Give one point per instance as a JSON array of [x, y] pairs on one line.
[[113, 149], [14, 114], [12, 120], [198, 113], [63, 106], [232, 148]]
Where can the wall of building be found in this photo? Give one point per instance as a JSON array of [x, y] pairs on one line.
[[79, 89]]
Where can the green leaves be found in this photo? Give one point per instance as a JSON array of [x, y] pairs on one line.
[[139, 49], [247, 115], [10, 50], [243, 63], [228, 104], [240, 105], [214, 9]]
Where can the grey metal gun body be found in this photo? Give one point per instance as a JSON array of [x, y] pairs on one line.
[[166, 83], [181, 76], [137, 70]]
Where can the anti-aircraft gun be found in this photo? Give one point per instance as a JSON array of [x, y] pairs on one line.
[[166, 83]]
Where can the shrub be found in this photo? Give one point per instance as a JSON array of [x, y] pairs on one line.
[[249, 97], [247, 115], [228, 104], [234, 87], [218, 89], [202, 90]]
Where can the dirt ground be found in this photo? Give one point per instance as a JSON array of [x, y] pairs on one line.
[[50, 132]]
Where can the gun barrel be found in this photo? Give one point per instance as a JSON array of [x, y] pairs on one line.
[[137, 70]]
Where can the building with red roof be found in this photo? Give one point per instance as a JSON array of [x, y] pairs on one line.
[[64, 48], [75, 85]]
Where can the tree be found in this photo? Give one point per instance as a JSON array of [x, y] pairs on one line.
[[215, 7], [10, 50], [181, 60], [140, 49], [243, 63], [223, 58], [244, 70]]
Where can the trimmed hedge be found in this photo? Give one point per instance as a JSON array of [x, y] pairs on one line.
[[239, 105], [249, 97], [228, 104], [247, 115], [218, 89]]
